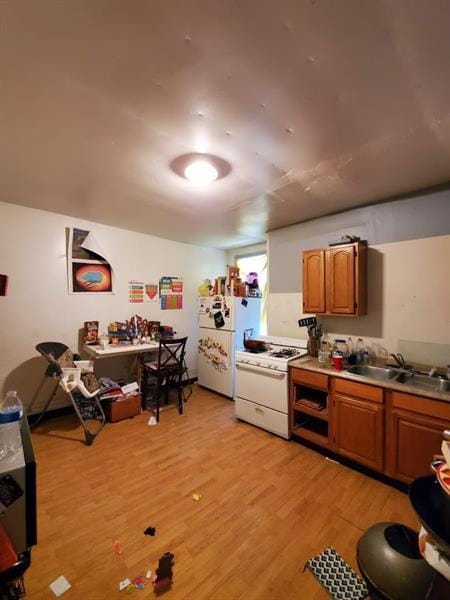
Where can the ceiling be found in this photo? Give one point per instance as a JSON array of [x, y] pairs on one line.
[[317, 105]]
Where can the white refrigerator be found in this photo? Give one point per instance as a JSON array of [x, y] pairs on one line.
[[222, 321]]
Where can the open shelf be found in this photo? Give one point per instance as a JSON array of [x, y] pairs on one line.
[[312, 412], [309, 411], [313, 430]]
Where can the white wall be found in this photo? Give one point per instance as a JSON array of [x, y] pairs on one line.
[[408, 302], [38, 307]]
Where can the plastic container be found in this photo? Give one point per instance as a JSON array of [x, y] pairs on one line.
[[11, 413], [341, 346]]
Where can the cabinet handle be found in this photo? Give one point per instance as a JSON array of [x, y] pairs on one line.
[[259, 411]]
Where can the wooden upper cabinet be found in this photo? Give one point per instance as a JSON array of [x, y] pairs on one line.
[[314, 281], [334, 280], [340, 285]]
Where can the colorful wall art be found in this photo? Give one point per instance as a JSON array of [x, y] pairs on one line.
[[151, 292], [88, 271], [140, 292], [136, 291], [91, 278], [171, 293]]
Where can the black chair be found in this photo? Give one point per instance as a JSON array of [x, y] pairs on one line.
[[167, 371]]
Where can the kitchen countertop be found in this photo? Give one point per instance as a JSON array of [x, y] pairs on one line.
[[310, 363]]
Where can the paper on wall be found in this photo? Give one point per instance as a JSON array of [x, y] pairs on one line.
[[88, 270], [151, 292], [171, 293], [136, 291]]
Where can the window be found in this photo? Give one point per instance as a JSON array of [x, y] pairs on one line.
[[256, 263]]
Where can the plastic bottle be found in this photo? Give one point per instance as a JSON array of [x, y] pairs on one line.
[[324, 350], [359, 351], [11, 413], [350, 346]]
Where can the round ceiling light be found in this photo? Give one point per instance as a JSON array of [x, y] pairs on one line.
[[200, 168], [201, 172]]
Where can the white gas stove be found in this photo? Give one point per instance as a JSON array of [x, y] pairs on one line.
[[262, 384], [280, 352]]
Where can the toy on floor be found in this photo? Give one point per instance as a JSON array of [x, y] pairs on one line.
[[163, 577]]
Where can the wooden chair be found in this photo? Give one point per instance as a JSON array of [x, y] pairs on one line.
[[167, 370]]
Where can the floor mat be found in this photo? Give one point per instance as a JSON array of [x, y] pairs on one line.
[[336, 576]]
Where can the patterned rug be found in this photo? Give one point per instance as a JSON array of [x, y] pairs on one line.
[[336, 576]]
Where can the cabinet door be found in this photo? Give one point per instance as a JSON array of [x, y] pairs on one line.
[[314, 281], [358, 430], [413, 439], [340, 290]]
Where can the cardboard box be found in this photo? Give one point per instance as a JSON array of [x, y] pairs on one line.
[[127, 408]]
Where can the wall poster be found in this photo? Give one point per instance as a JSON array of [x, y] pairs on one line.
[[88, 271], [136, 291], [139, 292], [171, 293]]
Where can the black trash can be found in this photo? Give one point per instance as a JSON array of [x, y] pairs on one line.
[[389, 560]]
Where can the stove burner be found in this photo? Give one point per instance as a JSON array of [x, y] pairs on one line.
[[284, 353]]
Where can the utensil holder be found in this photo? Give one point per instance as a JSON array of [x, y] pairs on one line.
[[313, 346]]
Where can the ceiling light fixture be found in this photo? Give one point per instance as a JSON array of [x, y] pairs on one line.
[[201, 172], [200, 168]]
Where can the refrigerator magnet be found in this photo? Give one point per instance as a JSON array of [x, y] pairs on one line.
[[244, 302], [218, 320]]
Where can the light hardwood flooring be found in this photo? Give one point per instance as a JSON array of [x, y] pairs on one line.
[[268, 505]]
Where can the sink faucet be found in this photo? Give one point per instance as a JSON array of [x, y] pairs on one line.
[[432, 372], [399, 359]]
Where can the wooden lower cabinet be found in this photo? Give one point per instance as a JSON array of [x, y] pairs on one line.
[[414, 435], [388, 431], [358, 430]]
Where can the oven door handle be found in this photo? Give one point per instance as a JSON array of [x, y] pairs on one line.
[[262, 371]]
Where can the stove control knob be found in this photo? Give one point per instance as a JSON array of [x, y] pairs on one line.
[[275, 367], [258, 363]]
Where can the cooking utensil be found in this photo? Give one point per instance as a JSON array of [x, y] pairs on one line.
[[307, 321]]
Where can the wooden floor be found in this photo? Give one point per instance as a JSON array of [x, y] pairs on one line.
[[268, 505]]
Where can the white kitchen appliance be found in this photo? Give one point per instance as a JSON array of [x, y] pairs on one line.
[[262, 384], [223, 320]]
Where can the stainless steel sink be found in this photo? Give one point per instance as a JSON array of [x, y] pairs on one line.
[[381, 373], [424, 382]]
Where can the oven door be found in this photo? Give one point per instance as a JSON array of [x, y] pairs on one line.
[[263, 386]]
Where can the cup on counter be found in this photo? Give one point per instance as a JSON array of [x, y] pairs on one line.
[[338, 361]]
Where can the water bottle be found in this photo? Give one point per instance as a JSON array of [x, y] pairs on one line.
[[11, 413]]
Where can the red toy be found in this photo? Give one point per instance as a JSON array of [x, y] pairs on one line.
[[163, 577]]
